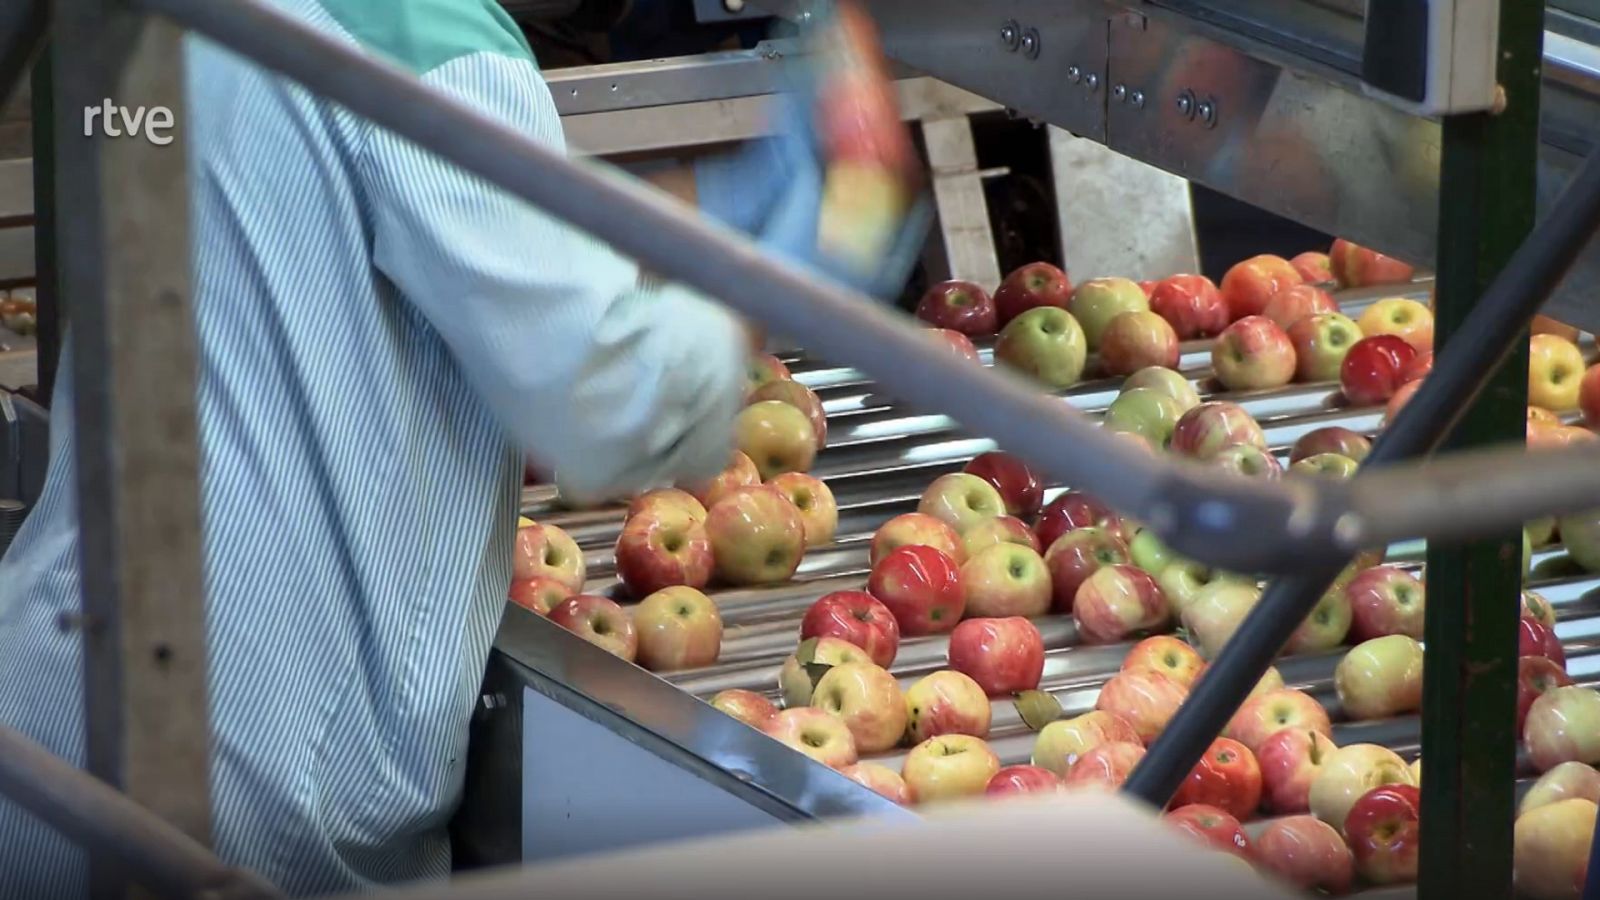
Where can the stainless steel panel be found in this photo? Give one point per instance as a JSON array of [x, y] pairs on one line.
[[1097, 190]]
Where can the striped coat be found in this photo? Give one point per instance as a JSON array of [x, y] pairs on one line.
[[379, 335]]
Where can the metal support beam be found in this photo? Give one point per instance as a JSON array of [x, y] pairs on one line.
[[47, 287], [124, 224], [22, 26]]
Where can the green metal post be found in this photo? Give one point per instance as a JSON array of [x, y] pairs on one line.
[[1486, 208]]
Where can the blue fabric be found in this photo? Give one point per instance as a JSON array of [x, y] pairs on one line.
[[380, 336]]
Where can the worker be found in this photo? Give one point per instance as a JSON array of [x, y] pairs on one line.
[[381, 338]]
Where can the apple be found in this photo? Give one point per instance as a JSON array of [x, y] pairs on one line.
[[1046, 344], [748, 707], [1033, 285], [1104, 767], [1164, 381], [1097, 301], [1014, 780], [776, 436], [915, 529], [1555, 437], [1215, 611], [1551, 849], [800, 397], [1565, 781], [1019, 487], [1406, 319], [1253, 354], [1226, 777], [1150, 553], [1321, 342], [868, 699], [1006, 580], [880, 779], [819, 512], [1371, 372], [1004, 656], [1380, 677], [662, 548], [1181, 581], [957, 343], [1399, 400], [1306, 853], [1191, 304], [539, 594], [1001, 530], [1357, 266], [1148, 287], [1331, 439], [1063, 742], [1326, 626], [1144, 412], [1249, 285], [1263, 716], [947, 702], [1580, 534], [1297, 302], [1385, 600], [1072, 510], [1348, 773], [1271, 680], [1536, 676], [922, 588], [1563, 725], [961, 500], [1290, 759], [667, 499], [1214, 827], [600, 621], [1542, 532], [949, 767], [757, 536], [1167, 655], [795, 682], [1206, 430], [678, 628], [1328, 465], [763, 369], [1145, 698], [1075, 556], [1418, 368], [818, 734], [1538, 639], [1247, 460], [1137, 340], [1116, 602], [1589, 396], [1537, 608], [857, 617], [1315, 268], [1555, 373], [741, 472], [959, 306], [548, 550]]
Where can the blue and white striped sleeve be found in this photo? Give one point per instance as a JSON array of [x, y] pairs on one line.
[[612, 385]]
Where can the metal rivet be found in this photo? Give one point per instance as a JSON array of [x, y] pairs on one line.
[[1092, 81], [1120, 92], [1074, 74], [1186, 104], [1137, 99], [1031, 43], [1011, 35], [1207, 111]]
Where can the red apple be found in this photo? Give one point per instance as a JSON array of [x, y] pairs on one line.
[[947, 702], [679, 628], [1301, 301], [959, 306], [1382, 829], [748, 707], [1148, 287], [1072, 510], [1357, 266], [550, 551], [1385, 600], [741, 472], [800, 397], [1117, 602], [667, 498], [1253, 354], [1536, 676], [1290, 760], [957, 343], [1263, 716], [1105, 766], [1372, 370], [1097, 301], [1351, 771], [1537, 639], [915, 529], [1418, 368], [600, 621], [857, 617], [1004, 656], [1146, 698], [1399, 400], [1249, 461], [1006, 580], [1206, 430], [881, 779], [1014, 780], [539, 594], [1063, 742], [757, 536], [1589, 396], [1307, 853], [1315, 268], [1321, 342], [868, 699], [1137, 340], [1191, 304], [663, 548], [1563, 724], [1401, 317], [1019, 487], [922, 588], [1075, 556], [1551, 849], [1331, 439], [1226, 777], [1213, 826], [1250, 284], [1168, 655], [1000, 530], [820, 735], [1035, 284]]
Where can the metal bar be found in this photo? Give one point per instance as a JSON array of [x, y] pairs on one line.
[[47, 287], [124, 225], [22, 27]]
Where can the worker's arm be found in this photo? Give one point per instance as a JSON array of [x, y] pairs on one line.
[[611, 385]]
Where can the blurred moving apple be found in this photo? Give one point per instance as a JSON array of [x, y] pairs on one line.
[[1046, 344], [957, 343], [1253, 354], [1137, 340], [1563, 726], [1215, 611], [1063, 742], [1071, 510], [1204, 431], [667, 499], [1566, 781], [1226, 777], [947, 702], [1033, 285], [539, 594], [1372, 370], [1327, 465], [1117, 602], [857, 617], [800, 397], [662, 548], [818, 734], [1165, 381], [1301, 301], [1004, 656], [741, 472], [1263, 716], [1290, 759], [1249, 285], [1385, 600], [1006, 580], [1000, 530], [757, 536], [547, 550], [1550, 849], [748, 707], [1321, 342], [1104, 767], [1145, 698], [1555, 373], [1536, 676], [1014, 780], [1331, 439], [777, 437], [959, 306], [1326, 626], [819, 512], [679, 628], [881, 779], [1145, 412], [949, 767], [1019, 486], [1075, 556], [1350, 772], [961, 500], [922, 588], [1099, 300], [1315, 268], [1382, 829], [1212, 826], [600, 621], [868, 699], [1589, 396], [796, 682], [914, 529], [1168, 655], [1191, 304], [1357, 266], [1380, 677], [763, 369], [1306, 853], [1249, 461], [1404, 318]]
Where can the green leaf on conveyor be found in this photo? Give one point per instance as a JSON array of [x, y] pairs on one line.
[[1038, 708]]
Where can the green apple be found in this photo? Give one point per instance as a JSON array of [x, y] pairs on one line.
[[1099, 300], [1046, 343], [1150, 553], [1182, 579], [1145, 412], [1167, 381], [1332, 465]]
